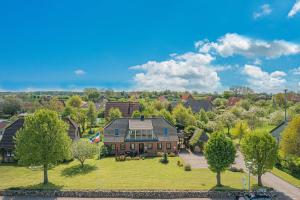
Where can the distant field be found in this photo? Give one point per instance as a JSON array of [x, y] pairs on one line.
[[109, 174]]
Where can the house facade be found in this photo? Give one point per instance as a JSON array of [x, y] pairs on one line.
[[140, 136], [7, 144]]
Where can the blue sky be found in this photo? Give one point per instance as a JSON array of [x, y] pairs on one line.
[[149, 45]]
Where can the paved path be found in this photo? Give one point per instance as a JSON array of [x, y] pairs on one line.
[[195, 160]]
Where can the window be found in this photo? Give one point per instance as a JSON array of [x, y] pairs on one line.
[[123, 146], [168, 145], [166, 132], [159, 146], [117, 132], [132, 146], [150, 146], [113, 147]]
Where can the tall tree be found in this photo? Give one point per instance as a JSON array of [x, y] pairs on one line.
[[75, 101], [259, 149], [92, 114], [113, 113], [290, 142], [240, 130], [183, 116], [83, 150], [43, 141], [92, 94], [219, 152], [10, 106], [228, 120]]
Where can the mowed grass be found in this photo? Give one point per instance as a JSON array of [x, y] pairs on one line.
[[285, 176], [107, 174]]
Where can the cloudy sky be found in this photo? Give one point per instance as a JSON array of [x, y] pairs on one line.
[[194, 45]]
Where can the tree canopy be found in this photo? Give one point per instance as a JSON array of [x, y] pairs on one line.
[[43, 141], [113, 113], [83, 150]]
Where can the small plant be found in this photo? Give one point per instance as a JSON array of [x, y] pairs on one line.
[[160, 154], [235, 169], [136, 158], [120, 158], [128, 158], [187, 167], [179, 163], [164, 159], [103, 152], [172, 154]]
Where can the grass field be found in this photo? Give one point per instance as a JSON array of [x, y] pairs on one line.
[[288, 178], [109, 174]]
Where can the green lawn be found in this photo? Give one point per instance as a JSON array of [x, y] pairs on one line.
[[109, 174], [288, 178]]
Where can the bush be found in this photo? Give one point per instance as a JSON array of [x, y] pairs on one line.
[[136, 158], [164, 159], [172, 154], [187, 167], [235, 169], [160, 154], [103, 151], [290, 165], [179, 163], [128, 158], [120, 158]]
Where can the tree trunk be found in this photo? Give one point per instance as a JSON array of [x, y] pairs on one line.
[[219, 179], [259, 182], [81, 163], [45, 174], [228, 130]]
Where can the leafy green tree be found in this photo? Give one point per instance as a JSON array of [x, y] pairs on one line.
[[75, 101], [189, 131], [228, 120], [54, 104], [136, 114], [240, 130], [276, 118], [43, 141], [11, 106], [202, 116], [259, 149], [245, 103], [218, 102], [252, 119], [219, 152], [91, 114], [183, 116], [83, 150], [290, 141], [167, 115], [113, 113], [92, 94], [68, 111]]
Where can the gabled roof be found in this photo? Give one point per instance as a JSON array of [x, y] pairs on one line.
[[7, 140], [197, 105], [186, 97], [3, 124], [126, 108], [73, 130]]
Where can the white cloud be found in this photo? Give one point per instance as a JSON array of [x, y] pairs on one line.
[[234, 44], [264, 10], [79, 72], [189, 71], [296, 71], [295, 9], [264, 81]]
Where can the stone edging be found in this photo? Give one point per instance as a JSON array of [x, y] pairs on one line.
[[124, 194]]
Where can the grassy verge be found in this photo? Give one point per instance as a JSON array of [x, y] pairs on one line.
[[108, 174], [285, 176]]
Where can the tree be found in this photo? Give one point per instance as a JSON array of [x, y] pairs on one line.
[[259, 149], [91, 114], [75, 101], [43, 141], [219, 152], [228, 120], [136, 114], [252, 119], [11, 106], [290, 141], [83, 150], [113, 113], [183, 116], [202, 116], [276, 118], [167, 115], [54, 104], [240, 130], [92, 94]]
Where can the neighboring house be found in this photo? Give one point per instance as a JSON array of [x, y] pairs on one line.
[[186, 97], [126, 108], [198, 140], [162, 98], [232, 101], [85, 105], [3, 125], [7, 144], [277, 131], [197, 105], [140, 136]]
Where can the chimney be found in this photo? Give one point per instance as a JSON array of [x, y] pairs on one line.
[[142, 117]]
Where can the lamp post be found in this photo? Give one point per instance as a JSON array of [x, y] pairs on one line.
[[249, 166]]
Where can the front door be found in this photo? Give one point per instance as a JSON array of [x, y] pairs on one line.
[[141, 148]]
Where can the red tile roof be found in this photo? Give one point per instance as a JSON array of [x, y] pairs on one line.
[[126, 108]]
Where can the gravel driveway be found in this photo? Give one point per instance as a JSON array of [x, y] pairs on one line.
[[194, 159]]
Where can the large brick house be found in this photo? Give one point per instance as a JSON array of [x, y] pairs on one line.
[[140, 135], [7, 144], [126, 108]]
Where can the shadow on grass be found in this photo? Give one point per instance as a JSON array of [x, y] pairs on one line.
[[78, 170], [225, 188], [40, 186]]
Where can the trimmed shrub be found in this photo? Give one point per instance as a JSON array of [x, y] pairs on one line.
[[235, 169], [160, 154], [179, 163], [187, 167], [164, 159], [172, 154]]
